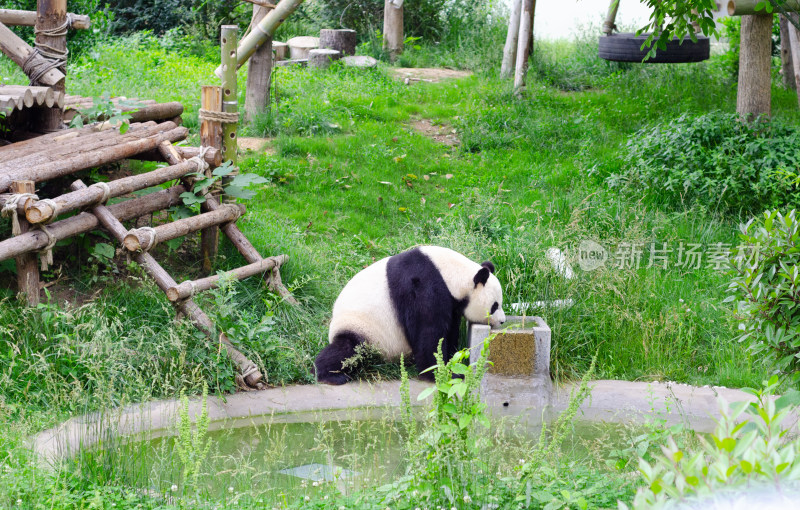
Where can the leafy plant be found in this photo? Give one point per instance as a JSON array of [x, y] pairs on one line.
[[766, 283], [236, 187], [750, 448], [193, 443], [713, 158], [104, 109]]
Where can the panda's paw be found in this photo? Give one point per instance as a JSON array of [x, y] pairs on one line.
[[333, 379]]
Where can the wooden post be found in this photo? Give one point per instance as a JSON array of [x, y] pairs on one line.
[[27, 270], [210, 136], [510, 48], [51, 42], [755, 59], [230, 103], [393, 28], [259, 71], [787, 65], [523, 43]]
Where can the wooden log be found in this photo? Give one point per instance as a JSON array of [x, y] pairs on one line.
[[211, 130], [62, 146], [259, 73], [212, 156], [189, 288], [57, 144], [104, 156], [322, 58], [236, 237], [755, 60], [27, 269], [158, 111], [84, 222], [12, 46], [13, 17], [51, 41], [279, 49], [164, 281], [510, 48], [146, 239], [748, 7], [787, 66], [41, 96], [41, 211], [10, 103], [523, 43], [265, 28], [342, 40], [24, 93], [300, 62], [393, 28]]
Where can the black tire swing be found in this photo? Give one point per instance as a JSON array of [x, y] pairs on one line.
[[627, 47]]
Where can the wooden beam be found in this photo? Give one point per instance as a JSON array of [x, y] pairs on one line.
[[144, 239], [13, 17], [18, 50], [189, 288]]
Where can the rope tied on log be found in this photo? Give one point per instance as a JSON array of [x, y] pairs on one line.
[[221, 117], [54, 206], [46, 253], [106, 191], [51, 58], [152, 240], [11, 207]]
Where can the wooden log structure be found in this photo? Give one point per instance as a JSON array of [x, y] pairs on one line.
[[35, 96], [12, 46], [250, 373], [210, 136], [747, 7], [234, 235], [27, 270], [342, 40], [48, 167], [189, 288], [211, 155], [51, 42], [37, 239], [146, 238], [259, 72], [322, 58], [261, 31], [42, 211], [148, 112], [14, 17]]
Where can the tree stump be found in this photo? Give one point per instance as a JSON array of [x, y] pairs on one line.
[[321, 58], [300, 46], [280, 49], [342, 40]]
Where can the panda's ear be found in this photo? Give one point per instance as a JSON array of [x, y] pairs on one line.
[[489, 266], [482, 276]]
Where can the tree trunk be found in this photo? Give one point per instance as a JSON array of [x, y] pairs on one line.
[[755, 58], [510, 49], [524, 43], [787, 67], [794, 53], [393, 28], [259, 71], [344, 40]]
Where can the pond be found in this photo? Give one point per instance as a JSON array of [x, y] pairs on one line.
[[305, 454]]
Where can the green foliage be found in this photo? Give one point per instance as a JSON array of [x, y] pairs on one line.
[[749, 449], [677, 19], [103, 109], [236, 187], [193, 443], [766, 283], [715, 158]]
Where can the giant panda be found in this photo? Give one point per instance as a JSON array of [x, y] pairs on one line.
[[405, 303]]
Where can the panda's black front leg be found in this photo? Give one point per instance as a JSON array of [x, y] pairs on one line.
[[424, 350]]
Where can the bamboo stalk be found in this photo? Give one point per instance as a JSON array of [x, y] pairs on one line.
[[265, 28], [189, 288], [36, 239], [252, 376], [745, 7], [230, 104], [42, 211], [144, 239], [83, 161], [14, 17], [27, 269]]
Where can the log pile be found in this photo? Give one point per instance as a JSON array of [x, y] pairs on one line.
[[39, 222], [18, 97], [142, 110]]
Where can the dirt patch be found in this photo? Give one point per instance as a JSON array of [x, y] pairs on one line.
[[442, 133], [257, 144], [428, 74]]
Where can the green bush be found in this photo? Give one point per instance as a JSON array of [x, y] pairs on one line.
[[714, 159], [766, 282]]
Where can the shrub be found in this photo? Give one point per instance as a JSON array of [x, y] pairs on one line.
[[766, 281], [747, 458], [714, 159]]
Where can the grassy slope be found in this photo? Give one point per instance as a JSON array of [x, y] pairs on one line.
[[348, 186]]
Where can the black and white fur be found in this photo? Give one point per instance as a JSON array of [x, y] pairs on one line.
[[405, 303]]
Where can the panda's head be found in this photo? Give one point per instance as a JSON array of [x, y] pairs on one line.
[[485, 298]]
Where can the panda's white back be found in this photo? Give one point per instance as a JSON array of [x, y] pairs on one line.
[[364, 307], [456, 269]]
